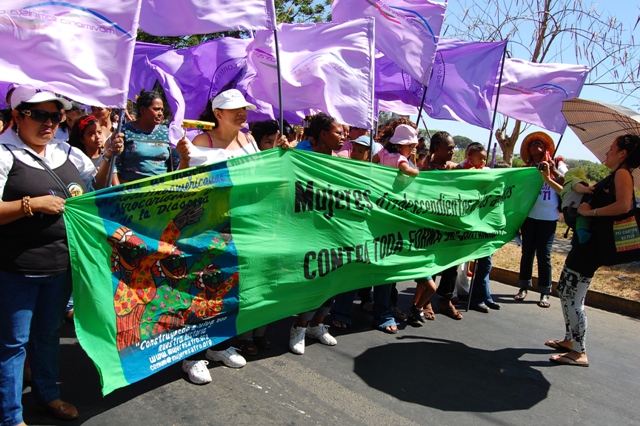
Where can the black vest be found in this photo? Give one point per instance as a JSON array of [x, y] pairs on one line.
[[37, 245]]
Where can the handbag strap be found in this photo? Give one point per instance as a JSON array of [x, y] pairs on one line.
[[53, 174], [633, 193]]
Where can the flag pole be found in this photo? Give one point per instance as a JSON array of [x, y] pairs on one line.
[[281, 118], [112, 164], [424, 96], [495, 108], [559, 142], [425, 127]]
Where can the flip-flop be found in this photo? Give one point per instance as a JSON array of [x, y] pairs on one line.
[[522, 294], [544, 302], [565, 359], [390, 329], [557, 346]]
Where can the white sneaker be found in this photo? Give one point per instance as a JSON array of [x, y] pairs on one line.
[[229, 357], [296, 339], [321, 332], [197, 371]]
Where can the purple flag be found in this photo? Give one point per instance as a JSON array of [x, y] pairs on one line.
[[325, 66], [141, 76], [200, 72], [407, 31], [533, 92], [175, 101], [465, 75], [186, 17], [398, 107], [395, 84], [79, 49]]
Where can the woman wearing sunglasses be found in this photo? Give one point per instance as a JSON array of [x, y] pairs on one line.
[[37, 173]]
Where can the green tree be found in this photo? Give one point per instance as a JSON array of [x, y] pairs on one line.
[[302, 11], [553, 31], [462, 142]]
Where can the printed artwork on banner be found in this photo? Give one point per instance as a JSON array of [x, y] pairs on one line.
[[176, 293]]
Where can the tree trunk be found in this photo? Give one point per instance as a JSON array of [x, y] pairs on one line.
[[508, 142]]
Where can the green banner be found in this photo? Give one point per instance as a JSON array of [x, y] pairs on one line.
[[168, 266]]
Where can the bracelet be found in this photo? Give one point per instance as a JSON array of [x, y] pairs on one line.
[[107, 159], [26, 206], [595, 212]]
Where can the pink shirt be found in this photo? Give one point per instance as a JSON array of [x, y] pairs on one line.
[[391, 159], [345, 151]]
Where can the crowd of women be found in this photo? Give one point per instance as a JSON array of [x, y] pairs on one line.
[[51, 150]]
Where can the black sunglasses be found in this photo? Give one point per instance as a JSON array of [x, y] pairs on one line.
[[42, 116]]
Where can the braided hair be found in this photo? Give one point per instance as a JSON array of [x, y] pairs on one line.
[[319, 122]]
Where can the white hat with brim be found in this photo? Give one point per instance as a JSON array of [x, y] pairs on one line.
[[231, 99], [404, 135], [32, 95]]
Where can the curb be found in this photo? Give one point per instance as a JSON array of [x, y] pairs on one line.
[[595, 299]]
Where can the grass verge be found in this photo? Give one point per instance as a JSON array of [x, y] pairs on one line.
[[620, 280]]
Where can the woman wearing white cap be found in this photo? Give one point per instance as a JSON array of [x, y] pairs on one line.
[[37, 173], [228, 112]]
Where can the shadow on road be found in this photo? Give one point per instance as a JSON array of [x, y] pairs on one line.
[[452, 376]]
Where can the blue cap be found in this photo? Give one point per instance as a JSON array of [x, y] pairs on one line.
[[363, 140], [366, 141]]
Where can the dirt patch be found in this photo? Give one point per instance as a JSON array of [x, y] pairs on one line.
[[620, 281]]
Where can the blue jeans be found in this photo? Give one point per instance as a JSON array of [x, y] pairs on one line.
[[537, 239], [383, 306], [31, 313], [480, 288], [341, 310]]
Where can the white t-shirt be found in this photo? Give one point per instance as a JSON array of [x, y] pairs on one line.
[[201, 155], [546, 206], [55, 156]]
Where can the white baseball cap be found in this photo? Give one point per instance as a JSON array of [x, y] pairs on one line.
[[404, 135], [231, 99], [33, 95]]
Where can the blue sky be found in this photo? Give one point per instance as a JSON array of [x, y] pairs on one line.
[[570, 147]]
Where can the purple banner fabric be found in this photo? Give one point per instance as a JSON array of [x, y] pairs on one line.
[[200, 72], [533, 92], [395, 84], [80, 50], [465, 75], [175, 101], [324, 66], [407, 31], [186, 17], [141, 77]]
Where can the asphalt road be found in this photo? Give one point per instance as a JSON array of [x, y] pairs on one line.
[[487, 369]]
